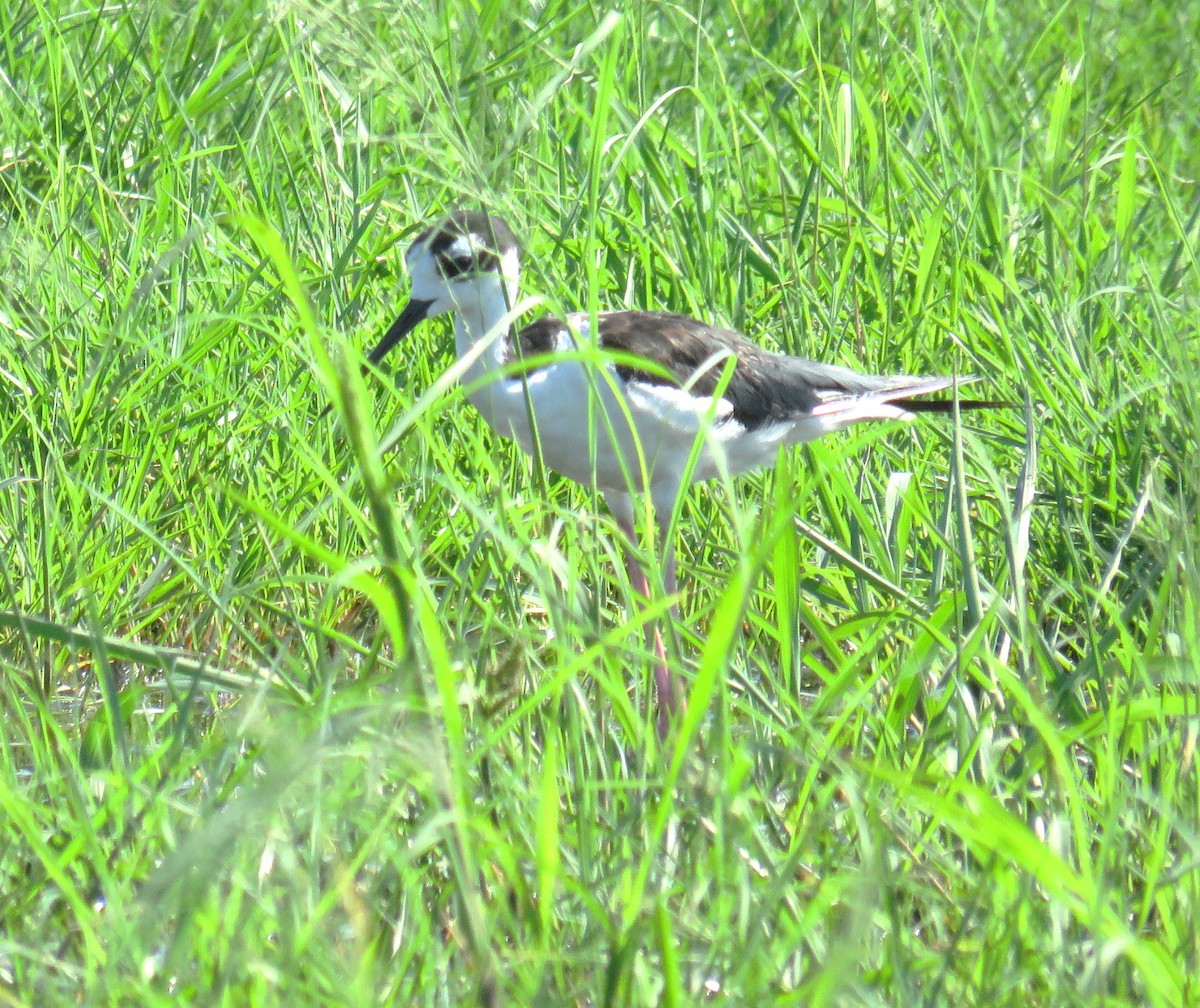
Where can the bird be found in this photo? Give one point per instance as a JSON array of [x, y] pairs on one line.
[[679, 401]]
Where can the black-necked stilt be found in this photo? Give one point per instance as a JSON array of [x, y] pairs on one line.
[[671, 410]]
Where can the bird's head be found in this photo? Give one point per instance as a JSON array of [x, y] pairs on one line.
[[468, 261]]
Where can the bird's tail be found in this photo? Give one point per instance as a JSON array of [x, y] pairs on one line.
[[947, 405], [898, 397]]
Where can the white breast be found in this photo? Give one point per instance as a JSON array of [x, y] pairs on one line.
[[597, 429]]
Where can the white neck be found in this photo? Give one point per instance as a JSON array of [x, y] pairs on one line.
[[483, 315]]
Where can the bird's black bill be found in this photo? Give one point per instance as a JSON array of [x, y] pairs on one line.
[[414, 313]]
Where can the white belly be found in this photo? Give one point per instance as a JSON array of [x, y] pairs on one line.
[[574, 421], [588, 424], [593, 428]]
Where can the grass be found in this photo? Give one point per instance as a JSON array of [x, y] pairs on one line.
[[351, 710]]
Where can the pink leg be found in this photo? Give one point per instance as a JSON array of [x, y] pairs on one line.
[[672, 703], [670, 697]]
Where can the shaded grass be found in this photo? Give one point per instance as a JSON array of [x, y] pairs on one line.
[[320, 721]]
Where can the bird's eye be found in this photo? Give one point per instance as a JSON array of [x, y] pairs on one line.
[[463, 262]]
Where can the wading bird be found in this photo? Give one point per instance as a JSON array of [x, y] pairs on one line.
[[679, 401]]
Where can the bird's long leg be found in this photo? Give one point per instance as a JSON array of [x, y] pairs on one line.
[[670, 700], [675, 701]]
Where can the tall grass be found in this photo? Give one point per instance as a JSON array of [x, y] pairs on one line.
[[355, 709]]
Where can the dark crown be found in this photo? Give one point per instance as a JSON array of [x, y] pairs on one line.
[[492, 236]]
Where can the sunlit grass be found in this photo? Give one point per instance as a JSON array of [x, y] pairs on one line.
[[356, 709]]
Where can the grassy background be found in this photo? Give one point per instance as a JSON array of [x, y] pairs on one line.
[[350, 710]]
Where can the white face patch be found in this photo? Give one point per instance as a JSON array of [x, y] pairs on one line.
[[510, 266], [464, 247], [427, 283]]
